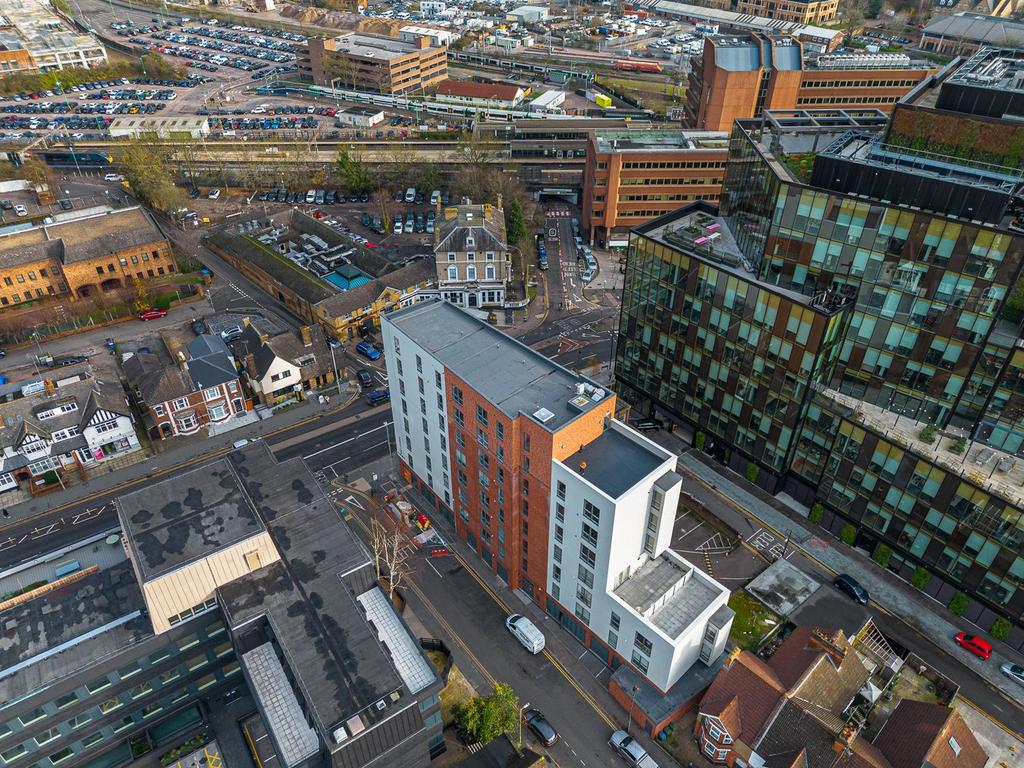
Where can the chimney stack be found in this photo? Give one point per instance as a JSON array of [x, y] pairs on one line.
[[307, 336], [500, 199], [733, 655], [250, 364], [844, 738], [821, 640]]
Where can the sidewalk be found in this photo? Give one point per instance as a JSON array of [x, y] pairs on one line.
[[563, 647], [184, 453], [729, 496]]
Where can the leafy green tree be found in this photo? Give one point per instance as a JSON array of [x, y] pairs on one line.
[[848, 534], [352, 171], [816, 514], [1001, 629], [699, 440], [485, 719], [145, 168], [515, 222], [920, 578], [883, 554], [752, 472], [959, 604]]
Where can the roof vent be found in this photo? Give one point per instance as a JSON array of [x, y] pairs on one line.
[[381, 704], [579, 403], [543, 415], [339, 735]]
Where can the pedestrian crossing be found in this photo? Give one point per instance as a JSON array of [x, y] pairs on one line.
[[560, 212]]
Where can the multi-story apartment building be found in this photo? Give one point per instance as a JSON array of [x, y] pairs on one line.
[[237, 570], [633, 176], [741, 76], [796, 11], [559, 500], [92, 255], [471, 253], [377, 63], [904, 259], [201, 390]]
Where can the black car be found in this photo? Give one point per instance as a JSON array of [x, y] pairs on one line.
[[852, 588], [197, 327], [194, 193], [648, 425], [365, 197], [7, 205], [365, 379], [331, 197], [353, 197], [541, 727]]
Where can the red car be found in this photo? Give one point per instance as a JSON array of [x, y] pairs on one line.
[[152, 314], [978, 646]]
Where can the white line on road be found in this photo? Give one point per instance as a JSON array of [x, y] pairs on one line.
[[342, 461], [349, 440], [434, 569]]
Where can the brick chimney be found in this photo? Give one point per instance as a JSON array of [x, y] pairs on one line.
[[250, 364], [733, 655], [821, 640], [501, 199], [844, 738], [307, 336]]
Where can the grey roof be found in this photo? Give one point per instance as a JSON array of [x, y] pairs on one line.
[[484, 222], [196, 513], [409, 660], [155, 381], [795, 728], [309, 597], [510, 375], [615, 462], [1004, 33], [738, 57], [669, 594], [293, 738], [210, 362], [47, 638]]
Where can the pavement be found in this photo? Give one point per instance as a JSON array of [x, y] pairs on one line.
[[902, 612]]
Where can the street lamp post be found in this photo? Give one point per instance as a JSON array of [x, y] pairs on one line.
[[337, 378], [632, 701]]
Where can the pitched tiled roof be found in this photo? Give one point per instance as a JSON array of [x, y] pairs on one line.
[[484, 222], [468, 89], [210, 363], [743, 696], [155, 382], [918, 733]]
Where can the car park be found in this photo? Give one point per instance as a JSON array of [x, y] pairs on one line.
[[979, 646]]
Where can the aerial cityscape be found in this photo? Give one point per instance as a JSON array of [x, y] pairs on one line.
[[408, 383]]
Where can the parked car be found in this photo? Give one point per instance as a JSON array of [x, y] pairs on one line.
[[630, 750], [231, 333], [1013, 671], [648, 425], [197, 327], [112, 177], [21, 210], [213, 194], [979, 646], [365, 378], [7, 205], [378, 396], [852, 588], [541, 727], [152, 314], [367, 350], [526, 632], [65, 204]]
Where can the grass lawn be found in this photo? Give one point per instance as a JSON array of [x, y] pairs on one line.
[[653, 94], [456, 693], [753, 620]]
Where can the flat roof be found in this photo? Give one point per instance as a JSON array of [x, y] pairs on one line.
[[669, 592], [993, 68], [309, 596], [615, 462], [613, 140], [198, 512], [505, 372], [375, 46], [70, 628]]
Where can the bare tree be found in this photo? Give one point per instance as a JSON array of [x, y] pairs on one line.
[[390, 551]]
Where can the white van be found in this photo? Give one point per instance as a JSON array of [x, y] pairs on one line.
[[410, 195], [311, 196], [525, 632], [435, 198]]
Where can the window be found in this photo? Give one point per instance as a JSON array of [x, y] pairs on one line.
[[33, 716], [205, 682], [181, 404], [643, 644], [97, 685], [560, 490], [151, 709], [591, 513], [559, 513], [641, 662], [556, 573], [557, 554], [158, 410], [586, 576], [587, 555], [583, 613], [140, 690], [589, 535], [583, 595], [95, 738], [110, 705], [526, 447], [169, 675], [481, 416], [79, 720], [211, 393], [437, 380], [66, 701], [457, 395], [614, 621]]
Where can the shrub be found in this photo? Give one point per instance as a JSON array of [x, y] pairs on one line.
[[699, 440], [163, 301], [883, 553], [848, 534], [50, 477], [752, 472], [927, 434], [958, 445], [816, 514], [920, 578], [1001, 629], [959, 604]]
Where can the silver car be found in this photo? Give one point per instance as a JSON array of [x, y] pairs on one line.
[[1013, 671]]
